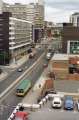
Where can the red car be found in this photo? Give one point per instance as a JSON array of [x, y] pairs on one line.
[[20, 115]]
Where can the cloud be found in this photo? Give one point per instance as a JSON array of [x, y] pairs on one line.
[[57, 14], [19, 1]]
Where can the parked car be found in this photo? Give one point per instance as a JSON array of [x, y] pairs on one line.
[[20, 70], [57, 102], [68, 103]]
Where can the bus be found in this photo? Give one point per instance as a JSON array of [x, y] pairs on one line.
[[23, 87]]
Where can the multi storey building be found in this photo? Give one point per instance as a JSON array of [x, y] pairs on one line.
[[33, 12], [24, 24], [18, 10], [15, 38], [74, 19]]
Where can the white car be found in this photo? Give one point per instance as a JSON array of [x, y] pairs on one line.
[[20, 70], [57, 102], [48, 56]]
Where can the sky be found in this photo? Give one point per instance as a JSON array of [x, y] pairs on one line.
[[57, 11]]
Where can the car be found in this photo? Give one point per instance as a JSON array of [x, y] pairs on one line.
[[21, 115], [56, 102], [20, 70], [29, 50], [68, 103], [48, 56]]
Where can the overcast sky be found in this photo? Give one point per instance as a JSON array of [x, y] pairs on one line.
[[55, 10]]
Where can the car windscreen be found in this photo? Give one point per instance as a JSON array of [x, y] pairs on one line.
[[19, 91]]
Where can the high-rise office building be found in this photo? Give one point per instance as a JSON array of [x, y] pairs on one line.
[[15, 38], [74, 19], [33, 12], [18, 10]]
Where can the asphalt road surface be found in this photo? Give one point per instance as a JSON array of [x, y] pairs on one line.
[[12, 100], [15, 74]]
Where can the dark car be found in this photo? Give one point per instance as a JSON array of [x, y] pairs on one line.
[[68, 103], [29, 50]]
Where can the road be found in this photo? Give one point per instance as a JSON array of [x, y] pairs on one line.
[[12, 100], [14, 75]]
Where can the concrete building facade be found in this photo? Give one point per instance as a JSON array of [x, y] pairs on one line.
[[74, 19], [33, 12], [16, 35], [18, 10]]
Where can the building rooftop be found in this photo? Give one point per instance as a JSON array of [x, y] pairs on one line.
[[58, 56]]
